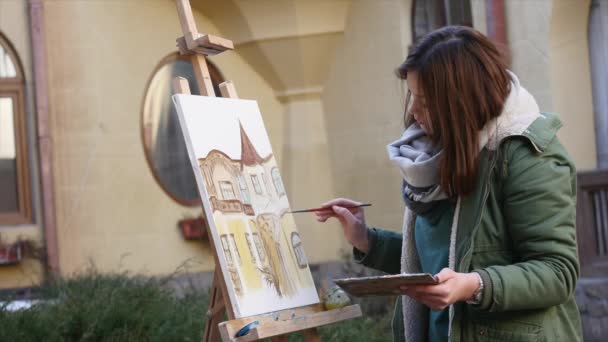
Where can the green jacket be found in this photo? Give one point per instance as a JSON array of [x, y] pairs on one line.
[[517, 229]]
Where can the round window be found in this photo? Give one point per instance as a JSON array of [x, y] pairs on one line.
[[163, 142]]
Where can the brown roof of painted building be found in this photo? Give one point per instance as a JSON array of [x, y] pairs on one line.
[[249, 155]]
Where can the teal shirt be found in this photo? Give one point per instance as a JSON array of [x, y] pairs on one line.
[[432, 233]]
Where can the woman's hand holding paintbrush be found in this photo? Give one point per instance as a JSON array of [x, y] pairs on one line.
[[351, 216], [312, 210]]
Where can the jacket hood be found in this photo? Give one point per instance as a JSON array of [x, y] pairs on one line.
[[519, 112]]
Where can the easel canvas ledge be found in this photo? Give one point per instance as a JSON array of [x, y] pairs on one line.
[[278, 324]]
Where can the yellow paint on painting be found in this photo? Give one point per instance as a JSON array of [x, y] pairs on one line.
[[220, 223], [292, 265], [250, 275], [301, 274]]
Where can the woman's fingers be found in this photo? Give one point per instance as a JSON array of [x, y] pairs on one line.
[[431, 299], [325, 213], [444, 275], [453, 287], [342, 202], [345, 214], [322, 217], [425, 290]]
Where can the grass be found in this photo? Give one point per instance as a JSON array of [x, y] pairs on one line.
[[124, 307]]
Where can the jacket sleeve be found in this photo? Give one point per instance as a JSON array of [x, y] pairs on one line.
[[384, 253], [539, 201]]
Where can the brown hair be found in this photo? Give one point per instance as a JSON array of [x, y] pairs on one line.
[[464, 82]]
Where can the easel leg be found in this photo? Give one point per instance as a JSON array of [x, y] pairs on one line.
[[281, 338], [311, 335], [215, 312]]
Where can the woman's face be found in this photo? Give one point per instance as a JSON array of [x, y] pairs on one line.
[[417, 107]]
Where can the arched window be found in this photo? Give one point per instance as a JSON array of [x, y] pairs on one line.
[[163, 141], [598, 54], [15, 196], [276, 180], [298, 250]]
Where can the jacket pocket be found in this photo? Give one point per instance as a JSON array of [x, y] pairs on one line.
[[506, 331], [496, 257]]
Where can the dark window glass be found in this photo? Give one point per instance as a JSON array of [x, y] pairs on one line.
[[429, 15], [163, 141]]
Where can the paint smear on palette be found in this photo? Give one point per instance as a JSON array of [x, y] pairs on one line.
[[260, 251]]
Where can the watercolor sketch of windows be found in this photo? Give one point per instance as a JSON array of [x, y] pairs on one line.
[[227, 191], [244, 190], [226, 249], [235, 249], [232, 254], [298, 250], [259, 247], [251, 246], [245, 205], [266, 183], [256, 184], [276, 180]]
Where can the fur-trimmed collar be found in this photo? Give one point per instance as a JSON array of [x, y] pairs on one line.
[[519, 112]]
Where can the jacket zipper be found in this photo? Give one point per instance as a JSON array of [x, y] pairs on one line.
[[483, 207], [468, 251]]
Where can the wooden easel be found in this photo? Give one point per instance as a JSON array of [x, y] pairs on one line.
[[276, 325]]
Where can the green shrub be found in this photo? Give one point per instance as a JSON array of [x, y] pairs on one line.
[[123, 307], [115, 307]]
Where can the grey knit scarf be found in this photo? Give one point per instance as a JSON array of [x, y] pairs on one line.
[[417, 159]]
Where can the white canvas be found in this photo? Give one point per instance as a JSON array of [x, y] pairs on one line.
[[258, 245]]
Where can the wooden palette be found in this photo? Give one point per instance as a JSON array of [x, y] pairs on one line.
[[387, 285]]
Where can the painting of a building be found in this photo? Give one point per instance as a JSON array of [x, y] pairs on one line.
[[264, 258]]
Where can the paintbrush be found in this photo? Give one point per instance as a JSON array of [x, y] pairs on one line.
[[325, 209]]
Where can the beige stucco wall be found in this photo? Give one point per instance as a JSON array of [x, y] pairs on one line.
[[549, 47], [363, 102], [292, 44], [528, 27], [14, 25], [307, 173], [478, 13], [549, 53], [110, 210], [570, 79]]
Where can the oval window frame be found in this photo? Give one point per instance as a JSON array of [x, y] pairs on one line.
[[216, 79]]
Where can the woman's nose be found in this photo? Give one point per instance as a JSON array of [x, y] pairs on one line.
[[415, 111], [415, 106]]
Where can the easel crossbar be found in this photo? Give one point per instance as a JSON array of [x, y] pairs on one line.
[[276, 324]]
